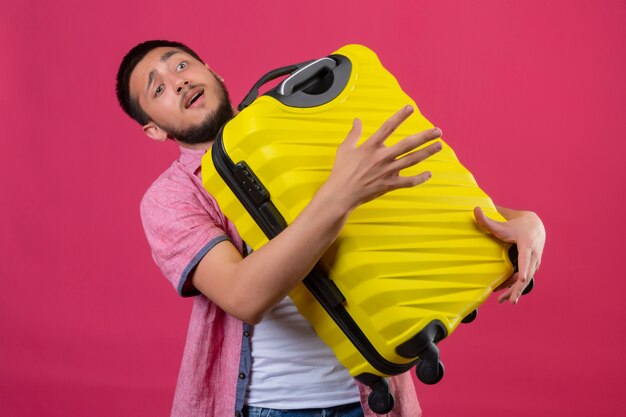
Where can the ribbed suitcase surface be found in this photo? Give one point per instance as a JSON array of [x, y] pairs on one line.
[[409, 258]]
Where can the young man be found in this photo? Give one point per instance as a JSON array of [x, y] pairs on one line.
[[248, 350]]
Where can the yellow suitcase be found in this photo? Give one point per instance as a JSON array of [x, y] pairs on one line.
[[408, 267]]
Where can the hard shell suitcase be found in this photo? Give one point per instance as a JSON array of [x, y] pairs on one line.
[[408, 267]]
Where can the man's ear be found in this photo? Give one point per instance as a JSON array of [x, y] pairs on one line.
[[155, 132]]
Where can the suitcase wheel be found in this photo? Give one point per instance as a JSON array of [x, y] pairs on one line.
[[470, 317], [429, 373], [429, 368], [380, 399]]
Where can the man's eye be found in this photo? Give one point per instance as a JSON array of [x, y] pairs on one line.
[[181, 66], [159, 90]]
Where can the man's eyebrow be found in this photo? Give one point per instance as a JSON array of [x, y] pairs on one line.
[[150, 80], [167, 55]]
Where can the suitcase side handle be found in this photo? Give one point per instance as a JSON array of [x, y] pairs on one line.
[[278, 72]]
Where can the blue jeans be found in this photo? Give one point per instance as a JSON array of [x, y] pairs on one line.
[[349, 410]]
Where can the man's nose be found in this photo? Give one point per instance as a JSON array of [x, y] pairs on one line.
[[181, 84]]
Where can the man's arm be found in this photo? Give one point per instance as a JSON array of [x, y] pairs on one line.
[[250, 287], [526, 230]]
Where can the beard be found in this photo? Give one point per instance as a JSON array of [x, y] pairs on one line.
[[213, 122]]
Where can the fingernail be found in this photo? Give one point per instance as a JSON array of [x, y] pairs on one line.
[[408, 108], [437, 131]]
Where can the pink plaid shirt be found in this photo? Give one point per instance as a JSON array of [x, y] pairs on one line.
[[183, 223]]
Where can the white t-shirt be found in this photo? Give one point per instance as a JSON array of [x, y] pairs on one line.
[[292, 368]]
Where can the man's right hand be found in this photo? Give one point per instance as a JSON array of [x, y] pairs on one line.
[[363, 173]]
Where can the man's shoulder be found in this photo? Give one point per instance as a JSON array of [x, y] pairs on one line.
[[174, 184]]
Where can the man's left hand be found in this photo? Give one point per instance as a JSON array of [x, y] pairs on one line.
[[525, 229]]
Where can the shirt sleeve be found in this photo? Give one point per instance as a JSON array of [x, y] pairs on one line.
[[180, 230]]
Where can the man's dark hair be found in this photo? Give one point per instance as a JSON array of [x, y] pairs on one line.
[[129, 104]]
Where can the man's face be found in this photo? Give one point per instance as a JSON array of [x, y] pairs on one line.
[[182, 96]]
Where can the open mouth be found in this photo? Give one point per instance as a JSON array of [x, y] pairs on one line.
[[193, 96]]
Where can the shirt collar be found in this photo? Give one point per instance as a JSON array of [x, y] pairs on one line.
[[191, 159]]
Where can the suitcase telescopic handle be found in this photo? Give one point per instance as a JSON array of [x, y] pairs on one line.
[[278, 72]]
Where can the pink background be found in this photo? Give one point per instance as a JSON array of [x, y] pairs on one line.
[[530, 94]]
